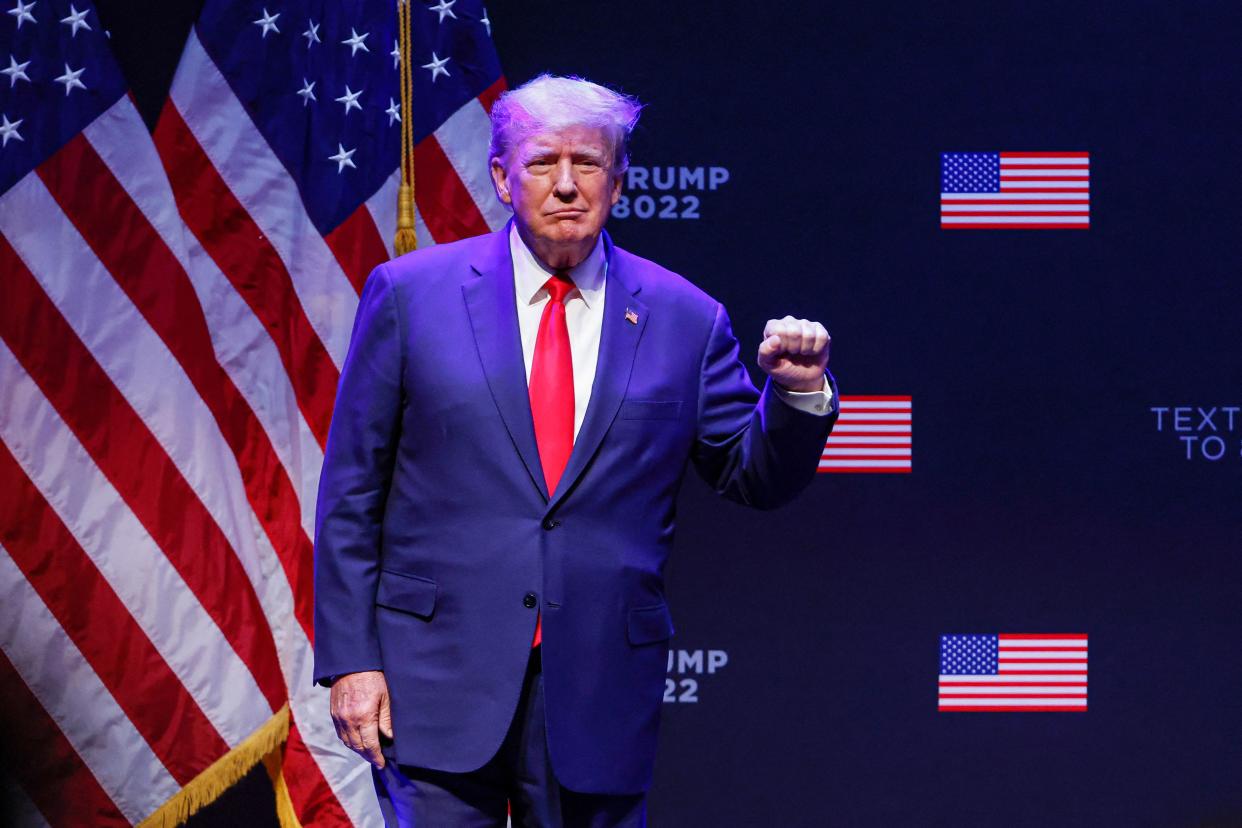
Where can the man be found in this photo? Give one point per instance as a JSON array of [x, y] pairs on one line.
[[512, 426]]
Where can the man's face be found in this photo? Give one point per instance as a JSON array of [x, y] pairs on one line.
[[561, 187]]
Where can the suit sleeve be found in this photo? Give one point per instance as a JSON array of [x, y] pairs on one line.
[[753, 448], [354, 484]]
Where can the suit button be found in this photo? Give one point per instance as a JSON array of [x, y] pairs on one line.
[[529, 600], [549, 524]]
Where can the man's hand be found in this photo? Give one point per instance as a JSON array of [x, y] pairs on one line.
[[361, 712], [794, 353]]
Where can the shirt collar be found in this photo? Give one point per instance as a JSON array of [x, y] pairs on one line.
[[529, 274]]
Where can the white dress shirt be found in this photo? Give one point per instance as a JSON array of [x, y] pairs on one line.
[[584, 316]]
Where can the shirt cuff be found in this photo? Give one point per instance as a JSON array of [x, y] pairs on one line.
[[811, 402]]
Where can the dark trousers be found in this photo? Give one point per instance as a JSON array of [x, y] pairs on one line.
[[518, 776]]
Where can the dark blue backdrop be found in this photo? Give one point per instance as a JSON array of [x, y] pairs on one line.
[[1043, 498], [1046, 495]]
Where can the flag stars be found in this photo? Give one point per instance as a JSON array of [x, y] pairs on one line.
[[76, 20], [487, 24], [355, 41], [393, 111], [8, 129], [395, 54], [307, 92], [350, 99], [71, 79], [312, 33], [342, 158], [444, 8], [16, 72], [268, 22], [22, 12], [437, 67], [968, 655]]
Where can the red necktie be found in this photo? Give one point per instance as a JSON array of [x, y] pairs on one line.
[[552, 392]]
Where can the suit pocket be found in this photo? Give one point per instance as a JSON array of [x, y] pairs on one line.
[[649, 624], [650, 410], [406, 593]]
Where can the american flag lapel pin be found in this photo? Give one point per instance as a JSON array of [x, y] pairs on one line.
[[631, 316]]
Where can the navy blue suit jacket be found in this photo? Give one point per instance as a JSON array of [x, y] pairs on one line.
[[434, 522]]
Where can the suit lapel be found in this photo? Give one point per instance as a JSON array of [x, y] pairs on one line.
[[492, 308], [625, 317]]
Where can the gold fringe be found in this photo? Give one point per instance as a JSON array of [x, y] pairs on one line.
[[405, 239], [274, 762], [223, 774]]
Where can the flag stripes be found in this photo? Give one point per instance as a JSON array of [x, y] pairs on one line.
[[464, 138], [172, 310], [315, 801], [131, 457], [246, 256], [71, 691], [357, 245], [242, 163], [100, 627], [54, 776], [241, 345], [144, 578], [872, 435], [442, 199], [169, 349], [380, 208]]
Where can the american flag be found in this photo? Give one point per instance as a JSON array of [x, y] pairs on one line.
[[1013, 672], [1015, 190], [873, 434], [175, 311]]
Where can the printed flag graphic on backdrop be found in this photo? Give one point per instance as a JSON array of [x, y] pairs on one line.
[[174, 315], [1013, 672], [1015, 191], [873, 434]]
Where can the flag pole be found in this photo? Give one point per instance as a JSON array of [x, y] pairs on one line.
[[406, 239]]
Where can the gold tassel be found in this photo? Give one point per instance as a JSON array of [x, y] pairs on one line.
[[406, 239], [223, 773]]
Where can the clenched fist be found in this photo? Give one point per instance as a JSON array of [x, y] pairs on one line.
[[361, 712], [794, 353]]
